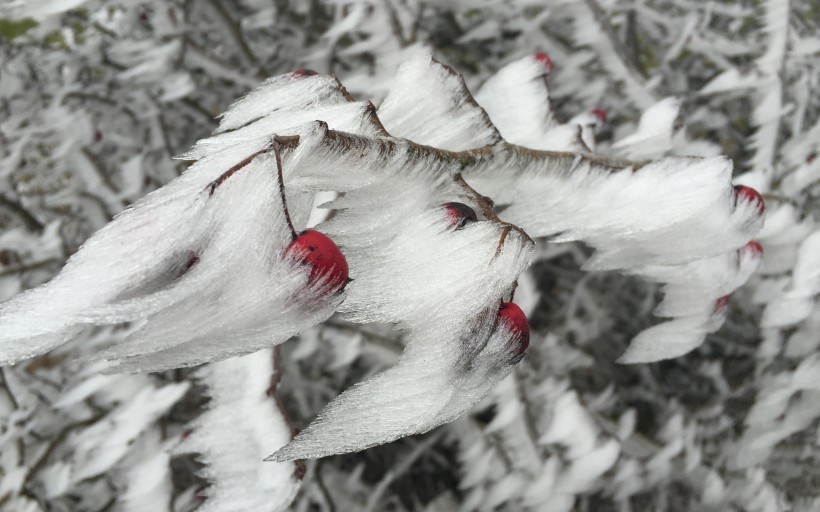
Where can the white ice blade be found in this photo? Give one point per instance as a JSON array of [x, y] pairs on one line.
[[517, 100], [429, 104], [434, 383]]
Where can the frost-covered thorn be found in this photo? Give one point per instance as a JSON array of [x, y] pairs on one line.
[[745, 193], [514, 319], [299, 73], [459, 214], [545, 59]]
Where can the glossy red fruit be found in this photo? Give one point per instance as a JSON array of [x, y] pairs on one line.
[[745, 193], [600, 114], [516, 321], [459, 214], [323, 256], [544, 59]]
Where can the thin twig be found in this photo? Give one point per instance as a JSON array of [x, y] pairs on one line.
[[101, 171], [273, 391], [9, 392], [401, 467], [278, 156], [236, 32], [18, 209], [28, 267], [331, 505], [486, 206], [384, 341]]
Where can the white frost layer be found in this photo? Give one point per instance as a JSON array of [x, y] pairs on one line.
[[517, 100], [796, 301], [242, 423], [282, 93], [429, 104], [653, 138], [462, 273], [437, 379], [228, 302], [693, 209], [455, 353], [101, 446]]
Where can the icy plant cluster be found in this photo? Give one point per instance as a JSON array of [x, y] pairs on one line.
[[586, 137]]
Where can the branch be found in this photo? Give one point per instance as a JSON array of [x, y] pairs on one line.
[[236, 32], [273, 391], [25, 216]]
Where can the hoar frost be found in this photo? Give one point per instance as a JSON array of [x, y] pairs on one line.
[[201, 267]]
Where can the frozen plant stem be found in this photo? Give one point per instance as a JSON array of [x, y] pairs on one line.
[[278, 156], [276, 147], [273, 391], [486, 206]]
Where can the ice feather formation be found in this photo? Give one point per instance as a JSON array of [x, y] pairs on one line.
[[160, 260], [698, 219], [200, 265], [240, 404]]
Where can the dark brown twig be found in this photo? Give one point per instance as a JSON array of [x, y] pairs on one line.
[[278, 155], [273, 391]]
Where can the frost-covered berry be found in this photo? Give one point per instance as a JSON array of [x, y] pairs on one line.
[[459, 214], [721, 303], [544, 59], [600, 114], [744, 193], [516, 322], [303, 72], [753, 246], [323, 256]]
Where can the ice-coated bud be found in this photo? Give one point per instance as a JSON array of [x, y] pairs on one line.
[[459, 214], [516, 322], [545, 59], [744, 193]]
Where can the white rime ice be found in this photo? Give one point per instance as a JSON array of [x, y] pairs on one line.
[[172, 261], [199, 265], [240, 409], [696, 222], [428, 103]]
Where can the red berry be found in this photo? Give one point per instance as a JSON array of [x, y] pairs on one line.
[[516, 321], [600, 114], [323, 256], [753, 246], [544, 59], [745, 193], [459, 214], [303, 72], [721, 303], [810, 158]]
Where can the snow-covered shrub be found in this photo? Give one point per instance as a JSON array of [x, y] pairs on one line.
[[587, 137]]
